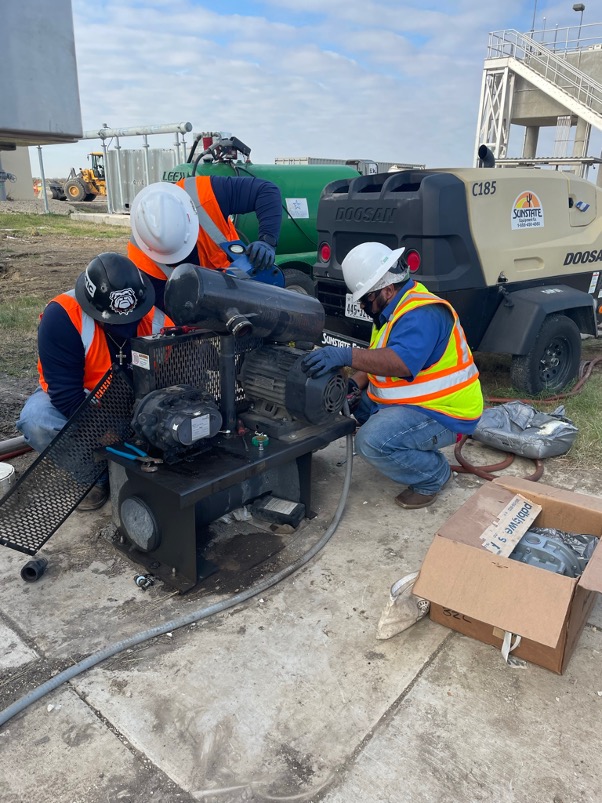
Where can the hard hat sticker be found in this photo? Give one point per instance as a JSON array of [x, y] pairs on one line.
[[90, 286], [123, 301], [527, 212]]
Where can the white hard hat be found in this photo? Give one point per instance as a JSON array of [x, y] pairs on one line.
[[367, 267], [164, 222]]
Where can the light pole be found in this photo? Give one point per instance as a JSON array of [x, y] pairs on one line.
[[581, 8], [534, 12]]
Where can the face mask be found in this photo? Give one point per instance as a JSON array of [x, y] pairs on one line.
[[376, 308]]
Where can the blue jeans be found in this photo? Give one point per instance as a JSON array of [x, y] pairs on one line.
[[403, 444], [40, 422]]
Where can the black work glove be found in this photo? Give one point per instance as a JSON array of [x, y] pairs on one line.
[[261, 255]]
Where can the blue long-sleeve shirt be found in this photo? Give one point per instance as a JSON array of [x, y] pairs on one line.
[[63, 359], [238, 195]]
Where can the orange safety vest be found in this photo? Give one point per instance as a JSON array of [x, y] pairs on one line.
[[449, 386], [214, 229], [97, 355]]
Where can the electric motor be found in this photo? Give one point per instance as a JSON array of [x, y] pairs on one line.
[[272, 376]]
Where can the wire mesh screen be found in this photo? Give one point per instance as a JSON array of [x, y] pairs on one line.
[[66, 470], [191, 359]]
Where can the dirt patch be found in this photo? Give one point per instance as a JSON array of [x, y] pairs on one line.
[[44, 265], [35, 266]]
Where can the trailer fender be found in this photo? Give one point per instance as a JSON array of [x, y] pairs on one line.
[[518, 319]]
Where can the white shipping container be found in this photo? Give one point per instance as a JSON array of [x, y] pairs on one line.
[[127, 171]]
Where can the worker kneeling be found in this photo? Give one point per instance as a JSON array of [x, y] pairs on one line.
[[82, 333], [419, 385]]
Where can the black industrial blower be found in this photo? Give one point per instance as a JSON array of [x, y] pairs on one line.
[[223, 415], [214, 414]]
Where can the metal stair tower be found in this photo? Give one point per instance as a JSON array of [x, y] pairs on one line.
[[542, 79]]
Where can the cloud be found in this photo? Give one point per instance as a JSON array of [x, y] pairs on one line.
[[381, 79]]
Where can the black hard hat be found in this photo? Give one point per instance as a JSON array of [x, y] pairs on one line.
[[113, 290]]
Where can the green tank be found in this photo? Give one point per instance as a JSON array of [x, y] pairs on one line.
[[301, 187]]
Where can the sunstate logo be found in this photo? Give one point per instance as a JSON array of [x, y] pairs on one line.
[[527, 211]]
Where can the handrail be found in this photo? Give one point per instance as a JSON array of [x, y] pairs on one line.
[[566, 77]]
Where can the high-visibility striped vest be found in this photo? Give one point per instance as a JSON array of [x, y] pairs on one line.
[[449, 386], [214, 229], [97, 355]]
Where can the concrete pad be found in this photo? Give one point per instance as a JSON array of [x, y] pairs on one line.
[[101, 217], [284, 696], [14, 651], [247, 713], [473, 729], [63, 751]]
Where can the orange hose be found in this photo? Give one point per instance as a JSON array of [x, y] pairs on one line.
[[585, 372], [485, 471]]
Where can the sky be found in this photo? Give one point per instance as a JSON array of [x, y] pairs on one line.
[[387, 80]]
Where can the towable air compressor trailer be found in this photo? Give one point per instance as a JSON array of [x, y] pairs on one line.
[[517, 252]]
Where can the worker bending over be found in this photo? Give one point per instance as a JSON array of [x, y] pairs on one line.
[[420, 386], [82, 333], [188, 222]]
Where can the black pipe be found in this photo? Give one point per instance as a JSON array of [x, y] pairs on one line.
[[227, 378], [33, 570], [193, 147], [486, 157]]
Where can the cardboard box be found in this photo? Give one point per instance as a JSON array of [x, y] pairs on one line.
[[482, 595]]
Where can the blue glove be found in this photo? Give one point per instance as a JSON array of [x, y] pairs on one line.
[[261, 255], [322, 361]]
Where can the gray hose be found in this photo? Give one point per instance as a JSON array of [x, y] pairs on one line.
[[195, 616]]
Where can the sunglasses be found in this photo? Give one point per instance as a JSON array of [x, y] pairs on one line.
[[370, 297]]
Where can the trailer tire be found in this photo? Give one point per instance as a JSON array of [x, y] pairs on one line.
[[298, 282], [554, 359]]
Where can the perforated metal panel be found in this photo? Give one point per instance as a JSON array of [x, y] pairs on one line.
[[61, 476], [65, 471]]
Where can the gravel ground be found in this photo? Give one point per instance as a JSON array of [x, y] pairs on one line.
[[36, 206]]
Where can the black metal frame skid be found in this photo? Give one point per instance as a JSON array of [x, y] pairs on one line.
[[176, 495]]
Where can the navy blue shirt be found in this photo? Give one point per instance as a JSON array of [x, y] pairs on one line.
[[419, 338], [238, 195], [63, 359]]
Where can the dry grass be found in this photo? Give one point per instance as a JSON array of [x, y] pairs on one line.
[[583, 408]]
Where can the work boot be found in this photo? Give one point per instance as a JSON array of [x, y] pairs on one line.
[[95, 498], [411, 500], [403, 608]]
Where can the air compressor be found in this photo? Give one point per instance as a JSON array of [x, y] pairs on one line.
[[223, 402], [214, 414]]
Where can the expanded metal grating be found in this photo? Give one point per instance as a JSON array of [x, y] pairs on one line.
[[64, 472], [192, 359]]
